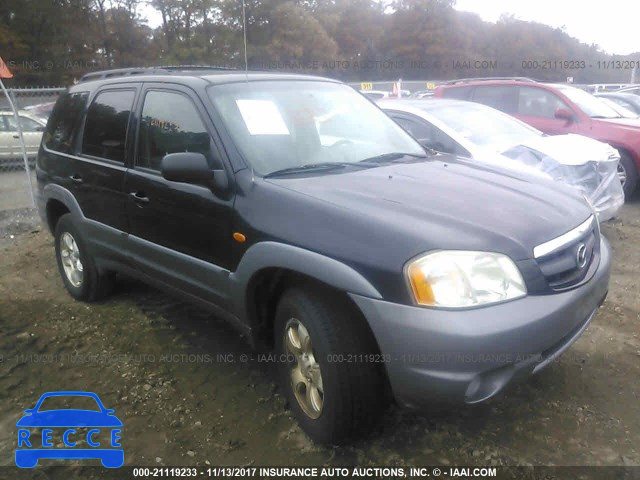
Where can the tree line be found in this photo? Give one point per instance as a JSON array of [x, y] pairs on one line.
[[54, 42]]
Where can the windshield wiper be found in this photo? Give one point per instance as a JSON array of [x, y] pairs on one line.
[[390, 157], [309, 167]]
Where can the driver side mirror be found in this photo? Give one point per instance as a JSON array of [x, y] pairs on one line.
[[191, 167], [563, 114]]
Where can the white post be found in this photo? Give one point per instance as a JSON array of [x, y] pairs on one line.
[[24, 149]]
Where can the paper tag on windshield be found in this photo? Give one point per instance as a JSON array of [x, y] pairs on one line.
[[262, 117]]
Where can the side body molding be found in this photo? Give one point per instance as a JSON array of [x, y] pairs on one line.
[[265, 255]]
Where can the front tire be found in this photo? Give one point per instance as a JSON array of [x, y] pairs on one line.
[[321, 342], [79, 273], [628, 174]]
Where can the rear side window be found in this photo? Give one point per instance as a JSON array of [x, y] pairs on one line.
[[64, 122], [105, 130], [170, 123], [500, 97], [459, 93]]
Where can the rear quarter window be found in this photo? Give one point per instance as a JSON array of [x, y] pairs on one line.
[[459, 93], [62, 129], [500, 97]]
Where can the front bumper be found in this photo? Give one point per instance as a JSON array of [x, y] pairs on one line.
[[471, 355]]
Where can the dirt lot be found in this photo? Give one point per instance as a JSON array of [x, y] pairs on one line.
[[158, 362]]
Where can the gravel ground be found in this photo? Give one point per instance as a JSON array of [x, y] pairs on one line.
[[175, 378]]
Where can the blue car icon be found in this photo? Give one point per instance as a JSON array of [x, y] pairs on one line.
[[29, 450]]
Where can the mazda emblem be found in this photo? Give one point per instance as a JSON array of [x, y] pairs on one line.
[[581, 255]]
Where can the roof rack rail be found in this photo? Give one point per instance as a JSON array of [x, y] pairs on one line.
[[157, 70], [487, 79]]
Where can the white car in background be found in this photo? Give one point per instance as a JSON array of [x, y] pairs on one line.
[[487, 135], [10, 147]]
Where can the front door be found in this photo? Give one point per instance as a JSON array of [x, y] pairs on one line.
[[179, 233], [538, 107]]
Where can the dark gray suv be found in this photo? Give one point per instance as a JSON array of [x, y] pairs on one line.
[[294, 208]]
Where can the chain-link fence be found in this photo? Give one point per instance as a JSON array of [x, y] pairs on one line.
[[17, 181]]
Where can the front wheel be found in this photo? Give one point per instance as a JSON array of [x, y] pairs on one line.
[[628, 174], [321, 343]]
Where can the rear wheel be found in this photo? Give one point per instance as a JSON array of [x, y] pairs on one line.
[[77, 268], [321, 343], [628, 174]]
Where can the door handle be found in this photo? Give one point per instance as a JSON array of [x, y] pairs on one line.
[[139, 197], [75, 178], [16, 136]]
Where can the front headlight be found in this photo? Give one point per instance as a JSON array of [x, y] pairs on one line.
[[461, 279]]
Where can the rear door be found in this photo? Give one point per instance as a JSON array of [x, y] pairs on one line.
[[180, 233], [97, 173]]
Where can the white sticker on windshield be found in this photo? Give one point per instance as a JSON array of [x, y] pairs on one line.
[[262, 117]]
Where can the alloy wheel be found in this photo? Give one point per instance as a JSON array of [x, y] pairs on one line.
[[306, 378], [70, 256]]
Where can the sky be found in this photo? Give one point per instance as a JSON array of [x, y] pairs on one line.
[[613, 25]]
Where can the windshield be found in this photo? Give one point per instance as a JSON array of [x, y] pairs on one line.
[[622, 111], [76, 402], [287, 124], [589, 104], [484, 127]]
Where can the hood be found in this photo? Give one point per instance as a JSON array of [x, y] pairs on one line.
[[632, 124], [447, 203]]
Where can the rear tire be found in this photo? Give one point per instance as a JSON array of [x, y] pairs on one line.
[[628, 168], [79, 273], [320, 340]]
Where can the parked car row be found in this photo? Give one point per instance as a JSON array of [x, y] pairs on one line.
[[489, 136], [557, 109]]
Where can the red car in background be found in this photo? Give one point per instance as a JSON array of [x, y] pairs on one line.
[[557, 109]]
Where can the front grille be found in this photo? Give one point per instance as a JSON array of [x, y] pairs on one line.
[[565, 261]]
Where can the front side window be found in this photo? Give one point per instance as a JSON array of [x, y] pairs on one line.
[[536, 102], [288, 124], [27, 124], [65, 120], [105, 130], [418, 130], [169, 124]]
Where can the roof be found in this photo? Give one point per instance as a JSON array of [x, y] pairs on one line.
[[488, 79], [187, 74]]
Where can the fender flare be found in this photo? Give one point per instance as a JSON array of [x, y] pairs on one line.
[[271, 254], [64, 196]]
